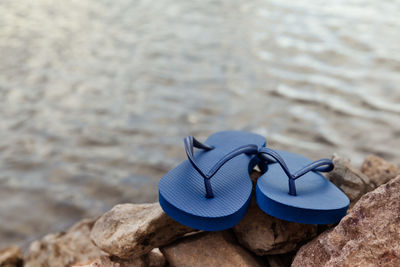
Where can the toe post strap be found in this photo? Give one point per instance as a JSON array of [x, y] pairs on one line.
[[191, 143], [322, 165]]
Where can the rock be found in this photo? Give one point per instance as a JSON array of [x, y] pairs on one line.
[[349, 179], [208, 249], [106, 261], [254, 175], [153, 259], [283, 260], [368, 236], [378, 170], [64, 249], [265, 235], [11, 257], [132, 230]]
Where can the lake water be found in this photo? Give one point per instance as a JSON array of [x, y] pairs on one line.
[[96, 96]]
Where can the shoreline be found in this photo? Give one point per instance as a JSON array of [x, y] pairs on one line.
[[143, 235]]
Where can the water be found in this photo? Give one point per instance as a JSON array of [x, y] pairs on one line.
[[96, 96]]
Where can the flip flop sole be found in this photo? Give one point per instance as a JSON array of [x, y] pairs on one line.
[[318, 201], [182, 191]]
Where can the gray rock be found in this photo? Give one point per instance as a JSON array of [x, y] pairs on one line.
[[64, 249], [368, 236], [209, 249], [378, 170], [132, 230]]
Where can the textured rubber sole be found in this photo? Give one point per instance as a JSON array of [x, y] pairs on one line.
[[318, 201], [182, 192], [299, 215], [204, 223]]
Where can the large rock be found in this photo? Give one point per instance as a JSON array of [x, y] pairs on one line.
[[368, 236], [64, 249], [11, 257], [349, 179], [132, 230], [265, 235], [209, 249], [378, 170]]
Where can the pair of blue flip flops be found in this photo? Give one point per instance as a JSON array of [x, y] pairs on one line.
[[212, 189]]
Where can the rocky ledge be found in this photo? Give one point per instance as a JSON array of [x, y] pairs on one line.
[[143, 235]]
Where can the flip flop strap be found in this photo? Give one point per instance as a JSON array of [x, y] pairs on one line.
[[322, 165], [191, 142]]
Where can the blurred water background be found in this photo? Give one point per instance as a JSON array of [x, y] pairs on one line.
[[96, 96]]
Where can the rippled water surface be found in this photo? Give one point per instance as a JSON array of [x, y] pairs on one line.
[[96, 96]]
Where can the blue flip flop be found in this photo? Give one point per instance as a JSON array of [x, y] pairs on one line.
[[311, 199], [211, 190]]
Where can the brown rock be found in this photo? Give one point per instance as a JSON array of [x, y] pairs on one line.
[[132, 230], [368, 236], [106, 261], [209, 249], [64, 249], [349, 179], [378, 170], [254, 175], [265, 235], [11, 257], [153, 259], [283, 260]]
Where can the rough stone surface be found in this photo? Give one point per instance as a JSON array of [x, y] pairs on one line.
[[132, 230], [153, 259], [209, 249], [368, 236], [349, 179], [378, 170], [265, 235], [64, 249], [106, 261], [11, 257]]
